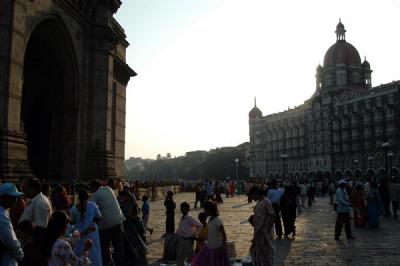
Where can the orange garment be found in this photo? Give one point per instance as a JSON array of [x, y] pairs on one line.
[[201, 238]]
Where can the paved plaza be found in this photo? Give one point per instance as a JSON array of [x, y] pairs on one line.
[[313, 245]]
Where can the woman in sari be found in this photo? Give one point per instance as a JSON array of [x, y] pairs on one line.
[[84, 216], [360, 210], [218, 191], [262, 250], [374, 206], [135, 241]]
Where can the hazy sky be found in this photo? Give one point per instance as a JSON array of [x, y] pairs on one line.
[[201, 62]]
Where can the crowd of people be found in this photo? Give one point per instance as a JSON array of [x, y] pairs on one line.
[[43, 227], [368, 199]]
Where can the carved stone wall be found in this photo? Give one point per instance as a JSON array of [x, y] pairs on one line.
[[87, 49]]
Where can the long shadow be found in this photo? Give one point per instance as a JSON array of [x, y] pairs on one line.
[[283, 247], [240, 205]]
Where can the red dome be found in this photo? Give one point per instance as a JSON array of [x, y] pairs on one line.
[[342, 52]]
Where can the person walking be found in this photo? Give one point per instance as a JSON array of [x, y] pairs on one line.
[[218, 191], [343, 211], [288, 206], [303, 194], [111, 226], [262, 250], [209, 190], [10, 248], [214, 253], [198, 192], [202, 235], [385, 196], [311, 190], [187, 230], [360, 210], [85, 215], [331, 192], [374, 206], [394, 190], [275, 195], [146, 214], [134, 231], [170, 205]]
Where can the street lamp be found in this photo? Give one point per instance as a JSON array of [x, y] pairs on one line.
[[237, 168], [385, 146], [284, 157]]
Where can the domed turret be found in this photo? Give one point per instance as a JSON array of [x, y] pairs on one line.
[[255, 112], [340, 31], [366, 64], [341, 52], [342, 68]]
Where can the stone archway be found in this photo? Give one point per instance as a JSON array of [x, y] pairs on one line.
[[49, 106]]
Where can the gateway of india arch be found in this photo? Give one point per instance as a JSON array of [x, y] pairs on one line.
[[62, 89]]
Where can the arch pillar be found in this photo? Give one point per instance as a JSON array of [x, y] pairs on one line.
[[13, 151]]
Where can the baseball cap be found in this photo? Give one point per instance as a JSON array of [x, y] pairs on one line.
[[342, 182], [10, 190]]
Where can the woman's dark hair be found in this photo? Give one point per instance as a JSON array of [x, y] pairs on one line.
[[145, 198], [83, 196], [25, 227], [256, 190], [202, 216], [185, 205], [95, 184], [211, 207], [124, 193], [55, 229], [34, 184], [46, 189]]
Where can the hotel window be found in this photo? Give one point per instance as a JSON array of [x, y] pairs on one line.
[[367, 132], [377, 116], [341, 78], [390, 99], [389, 113]]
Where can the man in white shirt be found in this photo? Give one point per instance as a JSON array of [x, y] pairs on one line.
[[38, 209], [111, 228], [187, 231], [10, 248]]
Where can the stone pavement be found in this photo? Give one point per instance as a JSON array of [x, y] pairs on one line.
[[313, 245]]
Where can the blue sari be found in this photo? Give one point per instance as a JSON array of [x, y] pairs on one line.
[[91, 214], [374, 208]]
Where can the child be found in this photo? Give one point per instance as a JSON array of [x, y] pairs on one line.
[[170, 205], [187, 231], [146, 213], [214, 252], [202, 236]]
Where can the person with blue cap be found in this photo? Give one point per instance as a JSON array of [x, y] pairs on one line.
[[10, 248]]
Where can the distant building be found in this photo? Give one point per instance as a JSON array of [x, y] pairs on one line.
[[347, 128]]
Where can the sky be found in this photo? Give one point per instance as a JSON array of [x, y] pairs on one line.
[[200, 63]]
